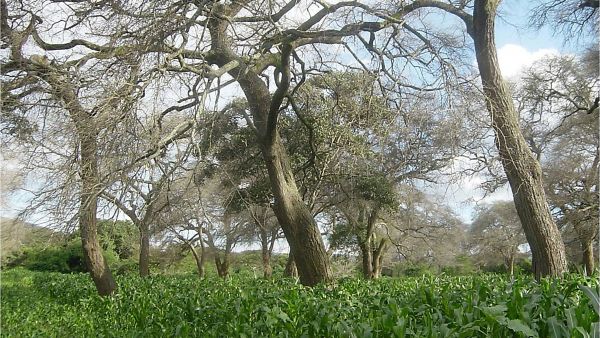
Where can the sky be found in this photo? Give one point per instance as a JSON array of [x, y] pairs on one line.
[[518, 47]]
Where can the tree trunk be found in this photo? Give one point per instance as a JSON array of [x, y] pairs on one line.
[[266, 262], [588, 256], [265, 252], [290, 267], [199, 258], [377, 266], [378, 259], [367, 260], [222, 265], [90, 185], [510, 264], [95, 261], [522, 170], [144, 259], [295, 218], [297, 222]]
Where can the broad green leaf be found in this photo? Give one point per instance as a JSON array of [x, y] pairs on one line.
[[596, 330], [583, 332], [556, 329], [518, 326], [495, 311], [593, 297], [571, 318]]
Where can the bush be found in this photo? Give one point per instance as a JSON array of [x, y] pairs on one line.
[[463, 266], [414, 270], [63, 258]]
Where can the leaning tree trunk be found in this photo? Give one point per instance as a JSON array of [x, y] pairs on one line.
[[298, 224], [295, 218], [144, 259], [90, 185], [522, 170], [95, 261], [199, 258]]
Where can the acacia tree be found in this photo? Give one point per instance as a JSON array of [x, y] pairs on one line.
[[497, 230], [92, 99], [522, 170], [423, 230], [245, 38], [243, 176], [142, 199], [360, 146], [557, 101]]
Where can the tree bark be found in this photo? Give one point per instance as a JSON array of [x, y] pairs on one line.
[[365, 234], [95, 261], [522, 170], [266, 261], [588, 256], [222, 265], [510, 263], [378, 259], [199, 258], [290, 267], [144, 259], [265, 251], [367, 260]]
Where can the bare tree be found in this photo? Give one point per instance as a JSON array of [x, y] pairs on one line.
[[572, 18], [521, 167], [557, 100], [62, 81], [497, 231], [424, 231]]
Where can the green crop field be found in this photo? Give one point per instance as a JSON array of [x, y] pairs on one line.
[[61, 305]]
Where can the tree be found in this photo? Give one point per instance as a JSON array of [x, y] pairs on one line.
[[270, 52], [361, 143], [363, 211], [144, 196], [497, 230], [572, 18], [57, 81], [521, 167], [203, 34], [424, 231], [557, 101]]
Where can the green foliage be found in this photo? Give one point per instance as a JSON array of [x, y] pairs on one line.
[[118, 240], [414, 270], [377, 189], [64, 258], [120, 237], [49, 304]]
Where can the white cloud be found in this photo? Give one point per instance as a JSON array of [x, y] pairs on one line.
[[513, 58]]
